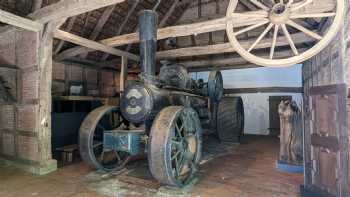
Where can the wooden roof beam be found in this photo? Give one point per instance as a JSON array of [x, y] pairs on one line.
[[59, 34], [299, 38], [69, 27], [168, 32], [229, 62], [121, 27], [68, 8], [100, 24], [12, 19]]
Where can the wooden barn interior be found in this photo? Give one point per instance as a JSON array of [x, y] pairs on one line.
[[115, 98]]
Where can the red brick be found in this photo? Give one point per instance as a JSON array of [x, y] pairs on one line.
[[30, 85], [8, 144], [10, 78], [76, 73], [7, 117], [108, 91], [28, 148], [91, 76], [58, 71], [58, 88], [92, 90], [107, 78], [8, 47], [27, 48], [26, 116]]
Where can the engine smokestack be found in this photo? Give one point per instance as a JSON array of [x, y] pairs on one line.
[[148, 41]]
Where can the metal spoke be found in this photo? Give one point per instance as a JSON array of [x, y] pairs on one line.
[[97, 144], [274, 41], [304, 30], [301, 5], [260, 5], [179, 130], [251, 27], [175, 155], [289, 38], [117, 155], [261, 37], [175, 142], [176, 167], [313, 15]]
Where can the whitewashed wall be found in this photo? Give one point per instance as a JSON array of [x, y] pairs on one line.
[[257, 105]]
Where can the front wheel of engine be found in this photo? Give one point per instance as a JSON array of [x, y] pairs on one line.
[[175, 146]]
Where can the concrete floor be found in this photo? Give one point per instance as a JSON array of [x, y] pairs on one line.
[[228, 170]]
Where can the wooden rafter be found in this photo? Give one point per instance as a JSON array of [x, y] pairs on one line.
[[228, 62], [168, 32], [69, 27], [169, 13], [155, 7], [121, 27], [37, 4], [12, 19], [227, 47], [68, 8], [101, 22], [59, 34]]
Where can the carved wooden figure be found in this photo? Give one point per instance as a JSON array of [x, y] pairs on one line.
[[291, 147]]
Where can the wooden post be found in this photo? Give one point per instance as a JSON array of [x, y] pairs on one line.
[[123, 74], [45, 76]]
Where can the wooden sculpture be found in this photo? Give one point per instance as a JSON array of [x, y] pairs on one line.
[[291, 138]]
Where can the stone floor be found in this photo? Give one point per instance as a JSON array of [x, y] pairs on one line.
[[227, 170]]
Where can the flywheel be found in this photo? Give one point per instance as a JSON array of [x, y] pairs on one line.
[[293, 31]]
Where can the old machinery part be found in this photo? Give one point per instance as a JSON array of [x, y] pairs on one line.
[[284, 23], [91, 140], [127, 141], [215, 86], [230, 119], [137, 103], [175, 75], [148, 42], [175, 145]]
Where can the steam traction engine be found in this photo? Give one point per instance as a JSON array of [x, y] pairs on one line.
[[159, 115]]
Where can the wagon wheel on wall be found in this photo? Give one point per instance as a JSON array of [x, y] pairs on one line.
[[283, 23]]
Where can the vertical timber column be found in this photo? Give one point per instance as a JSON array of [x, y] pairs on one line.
[[47, 164], [123, 74], [44, 121]]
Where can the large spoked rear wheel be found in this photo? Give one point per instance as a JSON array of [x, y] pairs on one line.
[[175, 146], [91, 140], [284, 27]]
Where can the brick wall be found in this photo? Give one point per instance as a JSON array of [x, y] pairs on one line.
[[20, 142], [95, 82]]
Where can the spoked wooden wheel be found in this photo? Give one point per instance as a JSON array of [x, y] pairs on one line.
[[175, 146], [283, 26], [91, 140]]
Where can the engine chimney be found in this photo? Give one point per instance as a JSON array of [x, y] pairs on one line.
[[148, 41]]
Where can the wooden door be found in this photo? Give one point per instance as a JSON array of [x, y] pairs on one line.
[[274, 101], [326, 141]]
